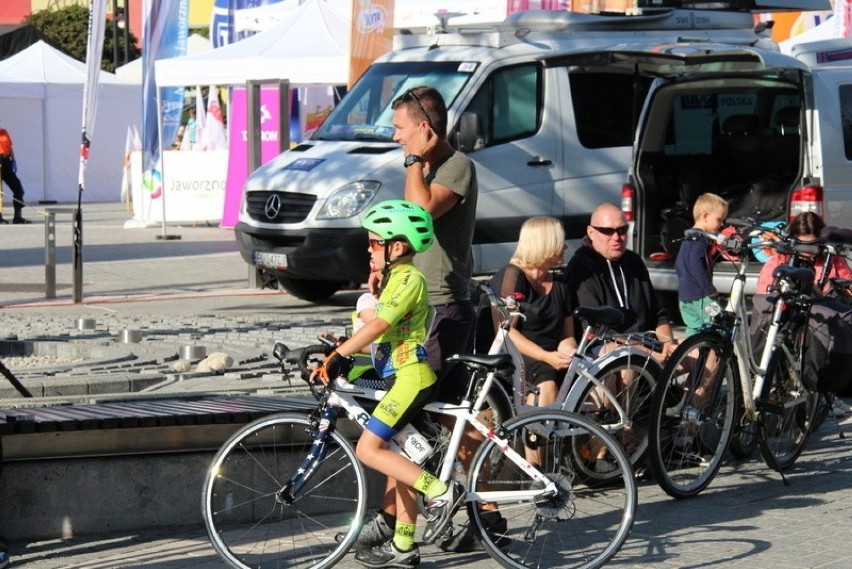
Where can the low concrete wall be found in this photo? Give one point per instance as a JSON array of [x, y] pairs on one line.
[[55, 499]]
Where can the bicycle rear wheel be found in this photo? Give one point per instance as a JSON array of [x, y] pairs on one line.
[[631, 380], [252, 524], [691, 430], [786, 415], [577, 527]]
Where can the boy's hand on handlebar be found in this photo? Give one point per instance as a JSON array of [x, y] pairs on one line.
[[334, 366]]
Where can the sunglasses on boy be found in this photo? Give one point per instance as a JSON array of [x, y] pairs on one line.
[[377, 244]]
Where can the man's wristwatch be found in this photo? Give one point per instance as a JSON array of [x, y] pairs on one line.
[[412, 158]]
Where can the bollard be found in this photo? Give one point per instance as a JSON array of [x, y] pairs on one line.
[[50, 254], [190, 353], [255, 277]]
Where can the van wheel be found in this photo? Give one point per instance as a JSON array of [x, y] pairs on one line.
[[312, 291]]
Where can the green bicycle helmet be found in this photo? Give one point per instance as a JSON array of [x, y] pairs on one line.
[[399, 219]]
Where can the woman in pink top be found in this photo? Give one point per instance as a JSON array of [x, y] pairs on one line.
[[806, 227]]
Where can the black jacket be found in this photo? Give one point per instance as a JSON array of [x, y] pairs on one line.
[[592, 281]]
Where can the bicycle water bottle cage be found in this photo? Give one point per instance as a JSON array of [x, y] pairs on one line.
[[605, 315], [801, 279]]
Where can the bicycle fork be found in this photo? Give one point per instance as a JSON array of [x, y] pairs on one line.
[[321, 433]]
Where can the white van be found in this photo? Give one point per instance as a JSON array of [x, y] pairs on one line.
[[766, 131], [545, 106]]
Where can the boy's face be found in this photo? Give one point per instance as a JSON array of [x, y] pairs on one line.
[[712, 221], [377, 247]]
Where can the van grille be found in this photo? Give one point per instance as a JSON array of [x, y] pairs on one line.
[[291, 207]]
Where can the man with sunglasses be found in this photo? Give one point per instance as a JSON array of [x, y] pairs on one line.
[[443, 182], [603, 272]]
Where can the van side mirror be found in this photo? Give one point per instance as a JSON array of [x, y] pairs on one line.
[[469, 136]]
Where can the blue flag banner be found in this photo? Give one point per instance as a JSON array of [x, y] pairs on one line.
[[165, 32]]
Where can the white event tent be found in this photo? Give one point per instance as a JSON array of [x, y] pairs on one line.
[[195, 43], [41, 105], [309, 48]]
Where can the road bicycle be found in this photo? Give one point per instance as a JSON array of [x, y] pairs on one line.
[[610, 379], [714, 385], [281, 488]]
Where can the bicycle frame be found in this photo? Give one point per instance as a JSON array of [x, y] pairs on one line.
[[752, 373], [581, 372], [343, 396]]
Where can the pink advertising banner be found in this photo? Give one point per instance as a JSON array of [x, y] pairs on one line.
[[238, 145]]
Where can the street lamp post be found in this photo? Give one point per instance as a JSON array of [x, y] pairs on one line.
[[115, 33], [120, 21]]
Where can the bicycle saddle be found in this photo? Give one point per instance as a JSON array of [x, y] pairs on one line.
[[496, 362], [803, 278], [832, 233], [606, 315]]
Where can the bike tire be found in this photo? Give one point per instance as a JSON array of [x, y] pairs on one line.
[[787, 418], [580, 527], [250, 527], [688, 442], [636, 400]]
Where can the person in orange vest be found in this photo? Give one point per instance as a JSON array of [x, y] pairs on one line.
[[9, 175]]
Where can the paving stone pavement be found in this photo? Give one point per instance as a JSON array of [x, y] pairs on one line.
[[746, 519], [194, 292]]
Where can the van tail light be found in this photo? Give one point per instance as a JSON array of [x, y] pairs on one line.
[[627, 193], [806, 198]]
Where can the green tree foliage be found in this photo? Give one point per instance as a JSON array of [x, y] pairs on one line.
[[67, 29]]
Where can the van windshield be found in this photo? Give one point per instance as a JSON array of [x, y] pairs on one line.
[[365, 112]]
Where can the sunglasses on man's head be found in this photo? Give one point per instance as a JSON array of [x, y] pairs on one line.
[[608, 231], [410, 96]]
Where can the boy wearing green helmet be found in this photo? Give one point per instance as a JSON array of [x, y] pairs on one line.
[[397, 231]]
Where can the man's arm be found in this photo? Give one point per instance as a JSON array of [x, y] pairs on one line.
[[434, 198]]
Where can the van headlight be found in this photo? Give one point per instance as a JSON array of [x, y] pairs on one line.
[[349, 200]]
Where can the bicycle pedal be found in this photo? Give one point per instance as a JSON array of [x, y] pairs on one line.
[[769, 406]]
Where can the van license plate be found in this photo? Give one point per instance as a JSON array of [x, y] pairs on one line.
[[270, 260]]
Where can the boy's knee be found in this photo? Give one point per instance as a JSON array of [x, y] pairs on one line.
[[365, 451]]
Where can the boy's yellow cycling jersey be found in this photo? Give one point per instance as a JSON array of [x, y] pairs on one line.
[[404, 305]]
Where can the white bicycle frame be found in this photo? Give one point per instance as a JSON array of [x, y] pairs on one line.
[[753, 373], [344, 396]]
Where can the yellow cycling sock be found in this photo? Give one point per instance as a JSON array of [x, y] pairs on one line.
[[429, 485], [403, 536]]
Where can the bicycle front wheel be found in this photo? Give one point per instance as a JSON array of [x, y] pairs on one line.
[[576, 526], [692, 416], [251, 518], [787, 415], [631, 380]]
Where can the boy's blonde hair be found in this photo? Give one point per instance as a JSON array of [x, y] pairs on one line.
[[708, 203], [541, 238]]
